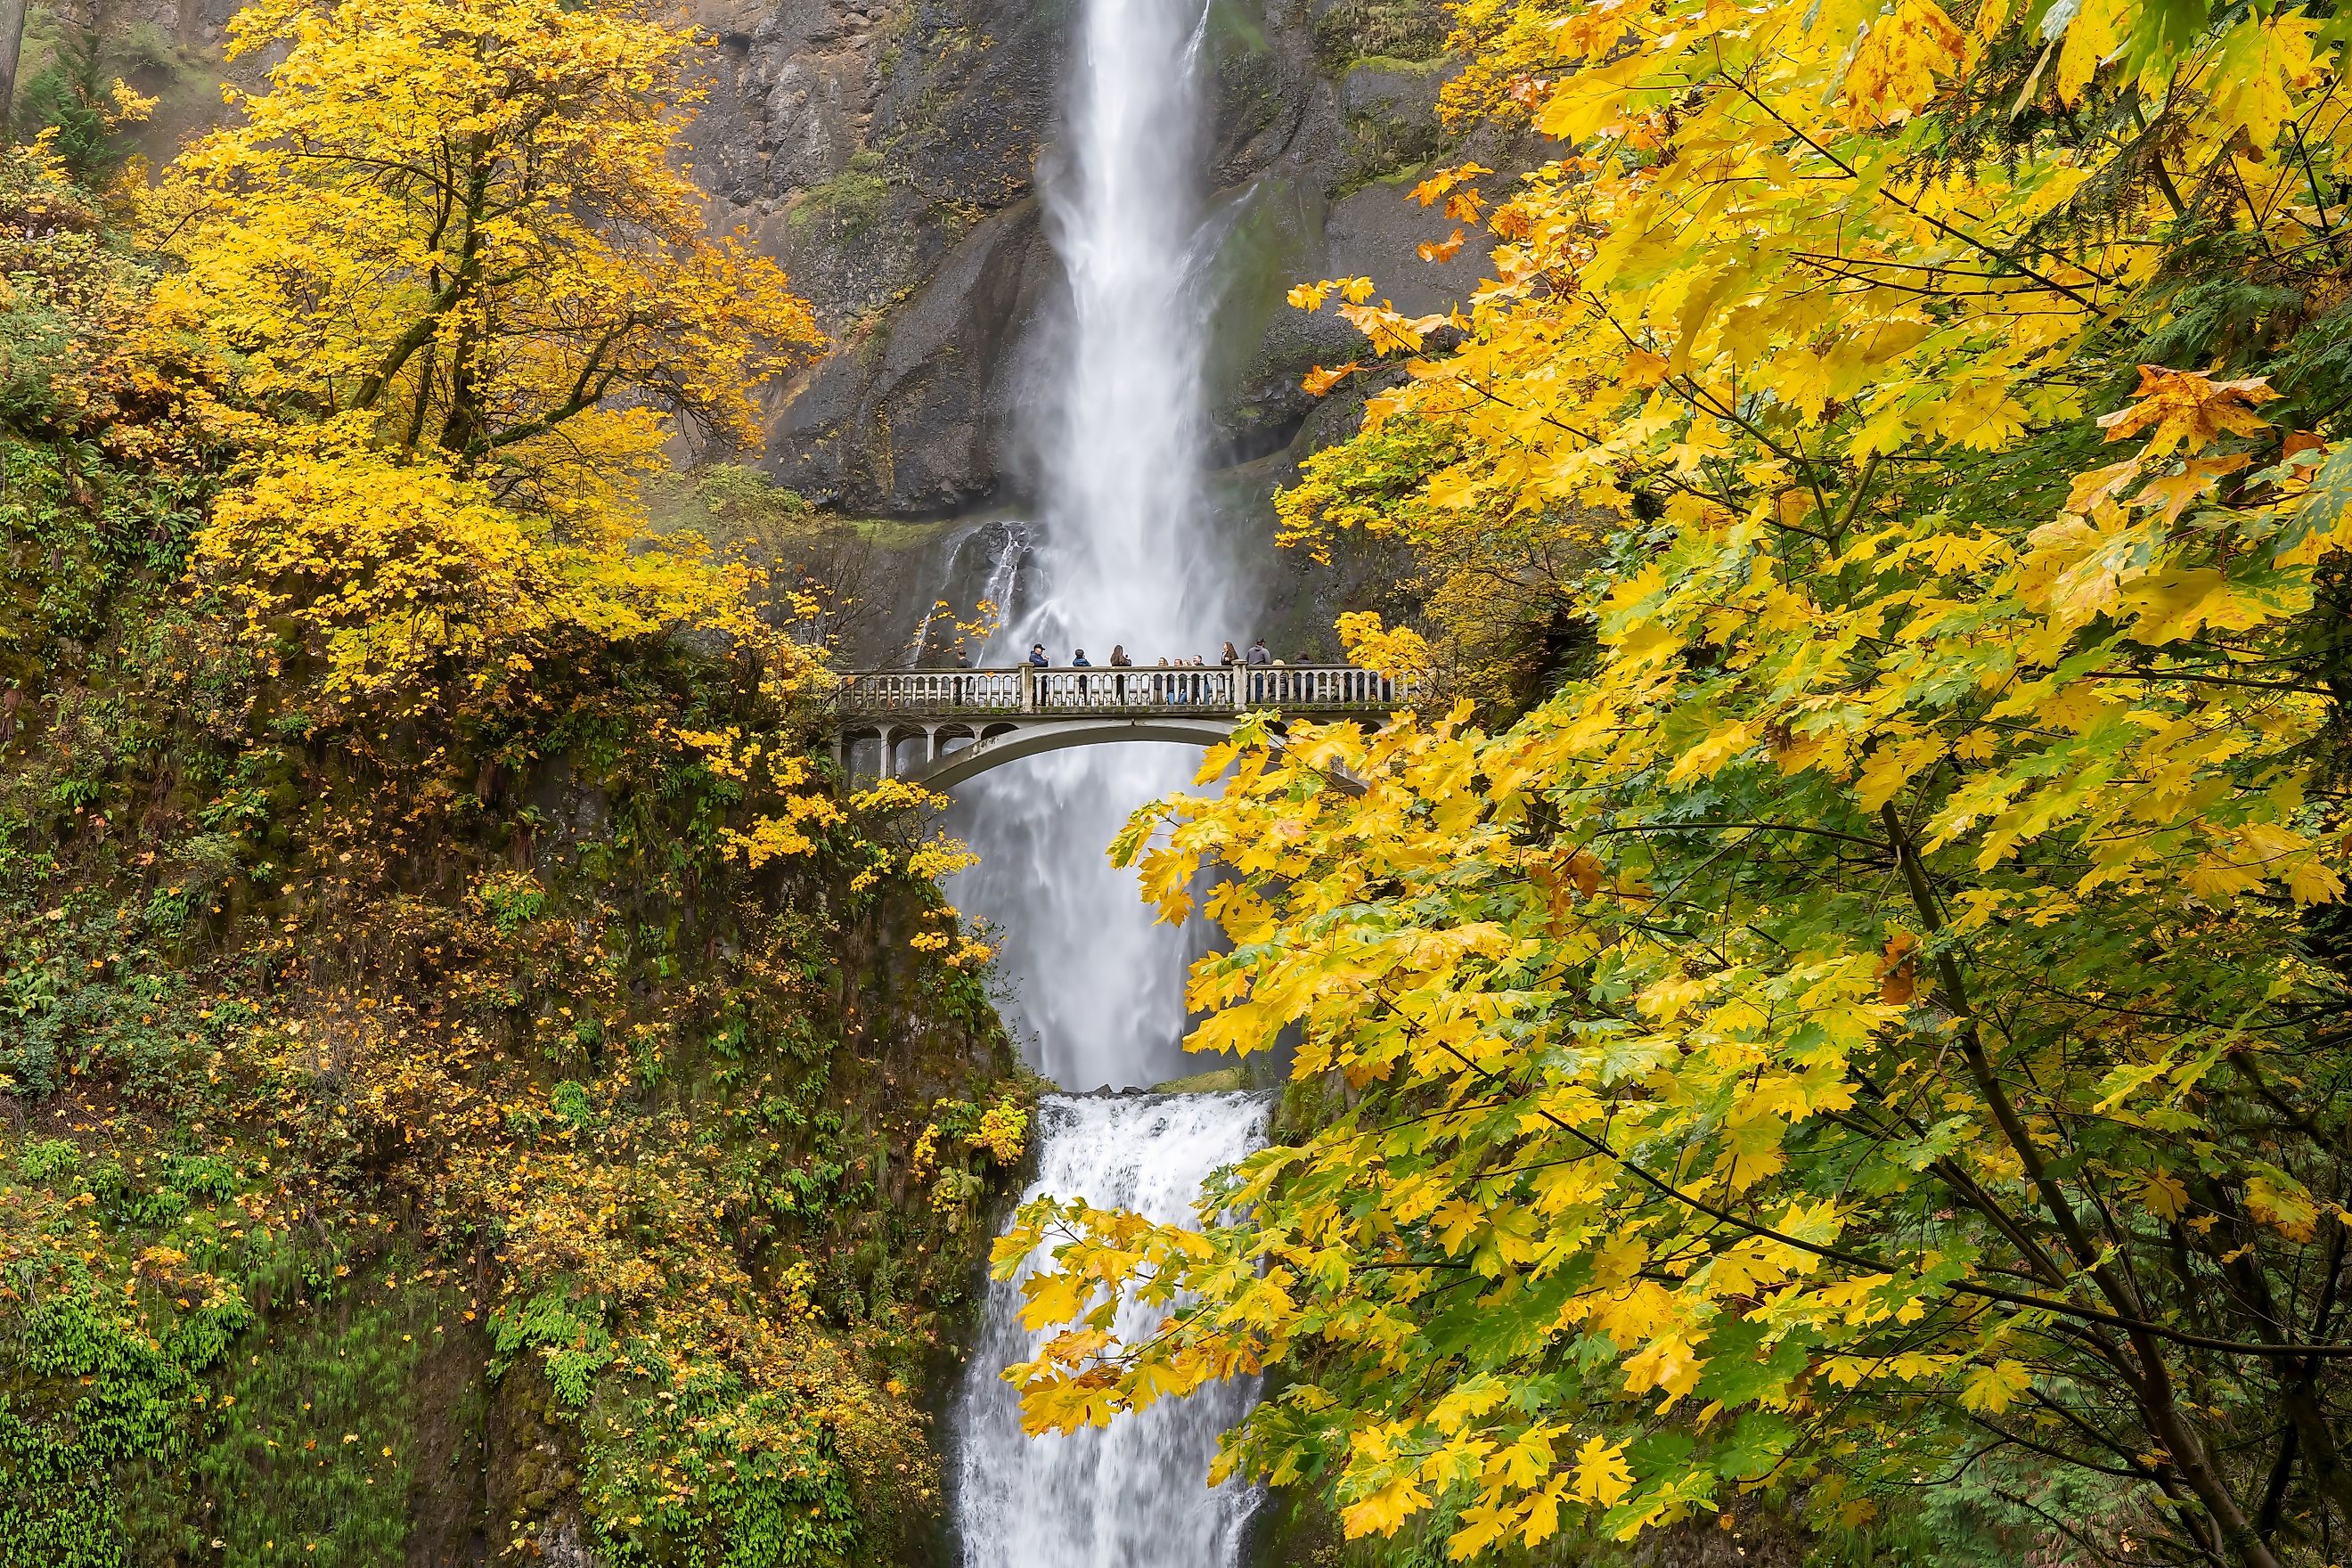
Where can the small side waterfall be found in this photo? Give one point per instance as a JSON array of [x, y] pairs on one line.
[[1132, 1495]]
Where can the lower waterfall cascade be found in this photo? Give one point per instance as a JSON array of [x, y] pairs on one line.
[[1134, 1494]]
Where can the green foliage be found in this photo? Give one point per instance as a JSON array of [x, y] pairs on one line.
[[135, 1400], [312, 1460], [512, 898], [1405, 31], [739, 494], [72, 98], [103, 1367], [565, 1330], [850, 203], [39, 1159]]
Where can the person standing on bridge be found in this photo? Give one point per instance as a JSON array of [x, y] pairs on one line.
[[1119, 660], [1078, 660], [1037, 655], [1228, 658]]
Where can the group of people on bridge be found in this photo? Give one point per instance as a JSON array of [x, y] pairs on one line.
[[1172, 681], [1257, 655]]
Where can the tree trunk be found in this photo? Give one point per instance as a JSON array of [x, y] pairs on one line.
[[11, 49]]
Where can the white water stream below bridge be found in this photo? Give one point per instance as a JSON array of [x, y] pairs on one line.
[[1133, 1494], [1121, 451]]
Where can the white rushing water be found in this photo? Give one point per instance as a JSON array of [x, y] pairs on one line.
[[1123, 553], [1134, 1494]]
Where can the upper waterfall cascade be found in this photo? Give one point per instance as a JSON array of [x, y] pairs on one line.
[[1122, 549]]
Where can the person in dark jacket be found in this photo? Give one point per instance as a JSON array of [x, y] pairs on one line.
[[1037, 655]]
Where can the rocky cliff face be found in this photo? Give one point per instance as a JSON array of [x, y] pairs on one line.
[[885, 151], [888, 152]]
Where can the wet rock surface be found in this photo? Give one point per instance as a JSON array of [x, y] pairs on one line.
[[890, 153]]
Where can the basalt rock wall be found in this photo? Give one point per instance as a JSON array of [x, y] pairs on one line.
[[891, 154]]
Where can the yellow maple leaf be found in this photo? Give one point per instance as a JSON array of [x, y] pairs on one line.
[[1601, 1474], [2187, 407]]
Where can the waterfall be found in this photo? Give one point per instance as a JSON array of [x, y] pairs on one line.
[[977, 575], [1123, 552], [1131, 1494]]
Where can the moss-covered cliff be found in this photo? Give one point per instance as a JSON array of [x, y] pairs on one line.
[[471, 1116], [415, 1154], [418, 1152]]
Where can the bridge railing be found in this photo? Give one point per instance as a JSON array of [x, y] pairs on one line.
[[1141, 688]]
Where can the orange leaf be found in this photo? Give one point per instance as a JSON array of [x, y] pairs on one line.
[[1319, 381]]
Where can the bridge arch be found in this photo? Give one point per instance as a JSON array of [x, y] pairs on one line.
[[1014, 742]]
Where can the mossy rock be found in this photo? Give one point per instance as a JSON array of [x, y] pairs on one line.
[[1223, 1080], [1394, 31]]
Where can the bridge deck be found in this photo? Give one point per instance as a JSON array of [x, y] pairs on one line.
[[878, 696]]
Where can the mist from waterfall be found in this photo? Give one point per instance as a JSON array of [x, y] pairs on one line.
[[1123, 553], [1133, 1494]]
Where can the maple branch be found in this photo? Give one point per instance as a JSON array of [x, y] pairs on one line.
[[1758, 826], [1876, 1266], [2160, 675], [1938, 225], [2153, 1388]]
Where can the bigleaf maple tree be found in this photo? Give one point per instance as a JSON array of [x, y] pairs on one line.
[[465, 225], [1884, 1006]]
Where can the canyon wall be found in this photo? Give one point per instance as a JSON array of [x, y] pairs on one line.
[[889, 153]]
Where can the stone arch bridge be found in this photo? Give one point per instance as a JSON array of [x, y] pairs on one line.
[[938, 727]]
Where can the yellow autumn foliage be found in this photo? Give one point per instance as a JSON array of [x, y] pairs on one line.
[[1862, 994], [464, 222]]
